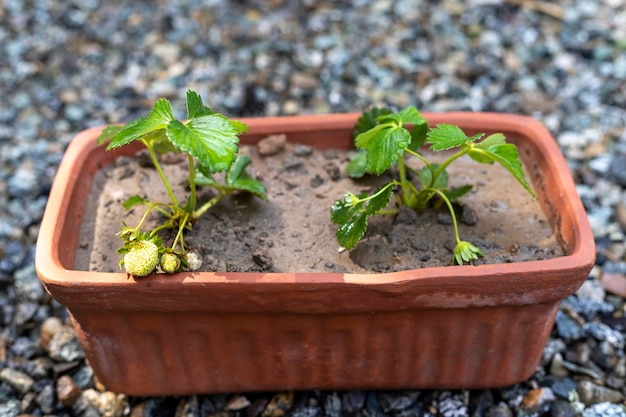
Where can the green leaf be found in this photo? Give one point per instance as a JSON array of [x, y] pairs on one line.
[[418, 136], [165, 146], [344, 209], [356, 168], [507, 156], [239, 127], [492, 140], [108, 133], [457, 192], [159, 118], [204, 181], [480, 157], [204, 177], [425, 176], [362, 140], [381, 199], [211, 139], [349, 234], [160, 141], [411, 115], [238, 179], [134, 201], [446, 136], [384, 145], [351, 213], [195, 108], [367, 120], [161, 112]]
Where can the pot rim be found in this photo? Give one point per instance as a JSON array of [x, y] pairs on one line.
[[580, 255]]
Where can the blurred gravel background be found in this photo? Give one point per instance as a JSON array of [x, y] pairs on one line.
[[69, 65]]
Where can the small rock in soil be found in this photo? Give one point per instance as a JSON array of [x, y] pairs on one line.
[[468, 216], [316, 181], [262, 259], [272, 145], [292, 163], [302, 150], [444, 218], [333, 171]]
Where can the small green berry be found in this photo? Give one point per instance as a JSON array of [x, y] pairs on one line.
[[142, 258], [170, 263]]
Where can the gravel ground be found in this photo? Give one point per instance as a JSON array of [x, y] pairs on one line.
[[69, 65]]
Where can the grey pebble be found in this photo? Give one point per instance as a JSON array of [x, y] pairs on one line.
[[397, 401], [19, 380], [603, 332], [561, 408], [567, 328], [591, 393], [10, 408], [64, 346], [605, 410]]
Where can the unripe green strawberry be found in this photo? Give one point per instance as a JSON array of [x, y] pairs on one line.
[[142, 258], [170, 262]]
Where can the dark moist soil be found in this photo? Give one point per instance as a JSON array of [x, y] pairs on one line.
[[292, 231]]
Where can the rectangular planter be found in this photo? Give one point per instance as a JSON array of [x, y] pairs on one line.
[[453, 327]]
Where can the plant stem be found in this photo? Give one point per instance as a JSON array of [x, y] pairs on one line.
[[221, 194], [443, 166], [179, 235], [449, 204], [421, 158], [403, 182], [159, 228], [388, 212], [148, 210], [376, 194], [155, 161], [192, 184]]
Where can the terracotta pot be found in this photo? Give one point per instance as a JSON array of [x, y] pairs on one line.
[[446, 327]]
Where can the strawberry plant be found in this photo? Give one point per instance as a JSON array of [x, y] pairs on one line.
[[211, 142], [384, 139]]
